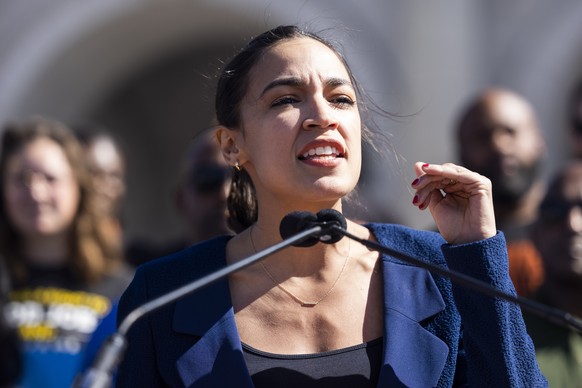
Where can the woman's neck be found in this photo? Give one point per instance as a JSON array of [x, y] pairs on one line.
[[296, 261], [46, 250]]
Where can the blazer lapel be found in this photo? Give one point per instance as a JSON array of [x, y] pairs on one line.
[[216, 359], [413, 357]]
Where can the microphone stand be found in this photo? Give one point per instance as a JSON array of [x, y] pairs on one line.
[[111, 353], [554, 315]]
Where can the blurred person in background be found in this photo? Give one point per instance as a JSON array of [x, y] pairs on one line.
[[106, 163], [10, 358], [574, 117], [200, 198], [65, 280], [498, 136], [107, 166], [558, 237]]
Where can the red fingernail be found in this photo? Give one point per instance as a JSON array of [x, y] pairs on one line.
[[415, 182], [422, 206], [425, 165], [415, 200]]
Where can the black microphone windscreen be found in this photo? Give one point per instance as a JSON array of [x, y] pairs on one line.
[[296, 222], [332, 217]]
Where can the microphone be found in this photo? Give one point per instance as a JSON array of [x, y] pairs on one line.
[[327, 219], [301, 229], [295, 222], [100, 374]]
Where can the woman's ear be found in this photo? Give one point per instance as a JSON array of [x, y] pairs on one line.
[[228, 141]]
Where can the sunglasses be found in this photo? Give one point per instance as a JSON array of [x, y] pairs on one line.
[[556, 212]]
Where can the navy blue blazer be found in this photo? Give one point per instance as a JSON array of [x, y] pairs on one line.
[[435, 333]]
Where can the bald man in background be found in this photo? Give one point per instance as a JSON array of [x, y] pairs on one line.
[[499, 137]]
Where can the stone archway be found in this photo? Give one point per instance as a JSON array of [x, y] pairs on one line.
[[125, 65]]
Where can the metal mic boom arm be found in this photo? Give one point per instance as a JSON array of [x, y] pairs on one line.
[[554, 315], [111, 353]]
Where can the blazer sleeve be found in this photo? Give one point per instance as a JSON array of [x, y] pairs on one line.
[[138, 367], [498, 350]]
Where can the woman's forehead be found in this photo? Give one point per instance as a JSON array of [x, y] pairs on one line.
[[299, 57], [41, 152]]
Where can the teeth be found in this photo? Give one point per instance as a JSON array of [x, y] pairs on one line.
[[321, 151]]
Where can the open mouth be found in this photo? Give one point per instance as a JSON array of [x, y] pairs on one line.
[[323, 152]]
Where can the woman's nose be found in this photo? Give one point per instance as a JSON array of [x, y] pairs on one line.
[[37, 185], [320, 116]]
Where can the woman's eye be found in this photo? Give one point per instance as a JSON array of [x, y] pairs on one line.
[[287, 100], [343, 101], [52, 179]]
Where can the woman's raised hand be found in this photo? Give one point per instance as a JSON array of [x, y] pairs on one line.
[[459, 200]]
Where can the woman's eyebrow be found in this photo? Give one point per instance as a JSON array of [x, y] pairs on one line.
[[336, 81], [296, 81], [287, 81]]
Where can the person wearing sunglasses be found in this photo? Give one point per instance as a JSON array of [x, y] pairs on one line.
[[200, 198], [202, 192], [558, 236]]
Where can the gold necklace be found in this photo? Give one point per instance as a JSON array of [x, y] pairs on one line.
[[292, 295]]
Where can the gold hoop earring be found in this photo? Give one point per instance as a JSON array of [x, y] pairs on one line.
[[237, 166]]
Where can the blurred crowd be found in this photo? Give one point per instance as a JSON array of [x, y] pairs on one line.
[[498, 135], [64, 260]]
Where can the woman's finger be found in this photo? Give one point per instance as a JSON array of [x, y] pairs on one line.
[[442, 179]]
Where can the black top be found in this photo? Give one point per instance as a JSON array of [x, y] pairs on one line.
[[355, 366], [10, 360]]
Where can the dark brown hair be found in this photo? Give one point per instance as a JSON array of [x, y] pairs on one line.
[[232, 86]]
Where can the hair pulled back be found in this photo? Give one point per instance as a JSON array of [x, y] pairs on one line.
[[232, 86]]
